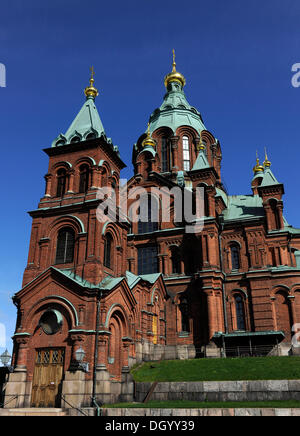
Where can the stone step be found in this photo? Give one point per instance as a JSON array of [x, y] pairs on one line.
[[32, 411]]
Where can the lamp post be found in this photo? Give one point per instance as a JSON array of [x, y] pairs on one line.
[[79, 356], [5, 358]]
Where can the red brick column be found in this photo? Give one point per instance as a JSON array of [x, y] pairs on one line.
[[211, 311], [23, 349], [71, 181], [174, 149], [48, 178]]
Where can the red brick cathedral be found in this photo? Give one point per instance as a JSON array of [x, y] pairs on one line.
[[98, 297]]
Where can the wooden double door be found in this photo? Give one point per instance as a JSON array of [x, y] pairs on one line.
[[47, 378]]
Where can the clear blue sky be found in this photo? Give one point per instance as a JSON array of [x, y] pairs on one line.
[[236, 56]]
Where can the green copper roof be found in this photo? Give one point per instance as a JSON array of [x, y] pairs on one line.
[[268, 178], [201, 161], [86, 122], [175, 111], [243, 206]]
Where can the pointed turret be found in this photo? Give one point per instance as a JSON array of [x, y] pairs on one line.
[[87, 124]]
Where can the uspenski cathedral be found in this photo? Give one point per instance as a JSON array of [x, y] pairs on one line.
[[100, 296]]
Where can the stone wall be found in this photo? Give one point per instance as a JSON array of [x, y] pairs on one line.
[[261, 390], [201, 412]]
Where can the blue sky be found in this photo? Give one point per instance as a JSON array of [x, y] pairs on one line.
[[236, 56]]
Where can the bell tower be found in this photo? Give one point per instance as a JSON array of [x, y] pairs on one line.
[[65, 231]]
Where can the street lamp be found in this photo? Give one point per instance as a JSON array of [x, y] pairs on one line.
[[5, 358], [79, 356]]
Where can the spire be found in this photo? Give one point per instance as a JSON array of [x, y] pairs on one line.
[[174, 76], [87, 124], [91, 91], [267, 163]]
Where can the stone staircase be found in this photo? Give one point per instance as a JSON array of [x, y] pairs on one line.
[[31, 411]]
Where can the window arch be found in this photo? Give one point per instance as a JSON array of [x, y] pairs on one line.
[[186, 153], [65, 246], [235, 257], [84, 176], [108, 251], [61, 182], [240, 312]]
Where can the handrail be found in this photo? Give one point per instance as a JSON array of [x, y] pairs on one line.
[[4, 404], [72, 406]]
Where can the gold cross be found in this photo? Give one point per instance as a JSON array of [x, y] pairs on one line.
[[92, 72]]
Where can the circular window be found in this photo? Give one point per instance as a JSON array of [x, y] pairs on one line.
[[51, 322]]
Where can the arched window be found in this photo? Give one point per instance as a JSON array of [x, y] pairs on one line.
[[75, 139], [186, 153], [90, 136], [84, 175], [108, 243], [148, 215], [276, 220], [235, 257], [240, 314], [176, 260], [164, 155], [61, 182], [65, 246]]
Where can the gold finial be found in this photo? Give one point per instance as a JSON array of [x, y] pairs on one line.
[[258, 168], [201, 146], [91, 91], [174, 63], [174, 76], [267, 163], [148, 140]]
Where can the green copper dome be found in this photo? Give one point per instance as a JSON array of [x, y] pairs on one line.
[[175, 111]]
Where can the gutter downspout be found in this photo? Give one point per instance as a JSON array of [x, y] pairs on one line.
[[94, 402], [223, 287]]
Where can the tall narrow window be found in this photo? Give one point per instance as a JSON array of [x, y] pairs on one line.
[[65, 246], [204, 198], [164, 155], [184, 309], [147, 260], [240, 314], [276, 220], [148, 215], [108, 251], [84, 173], [235, 257], [186, 153], [176, 260], [61, 182]]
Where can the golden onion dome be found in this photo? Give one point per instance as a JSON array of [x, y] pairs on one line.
[[174, 76], [148, 140], [91, 91], [267, 163], [258, 168]]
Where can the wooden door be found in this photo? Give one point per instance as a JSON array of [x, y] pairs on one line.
[[47, 378]]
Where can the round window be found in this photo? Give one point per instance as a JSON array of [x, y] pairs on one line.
[[50, 322]]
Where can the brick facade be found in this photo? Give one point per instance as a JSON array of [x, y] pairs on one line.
[[235, 283]]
